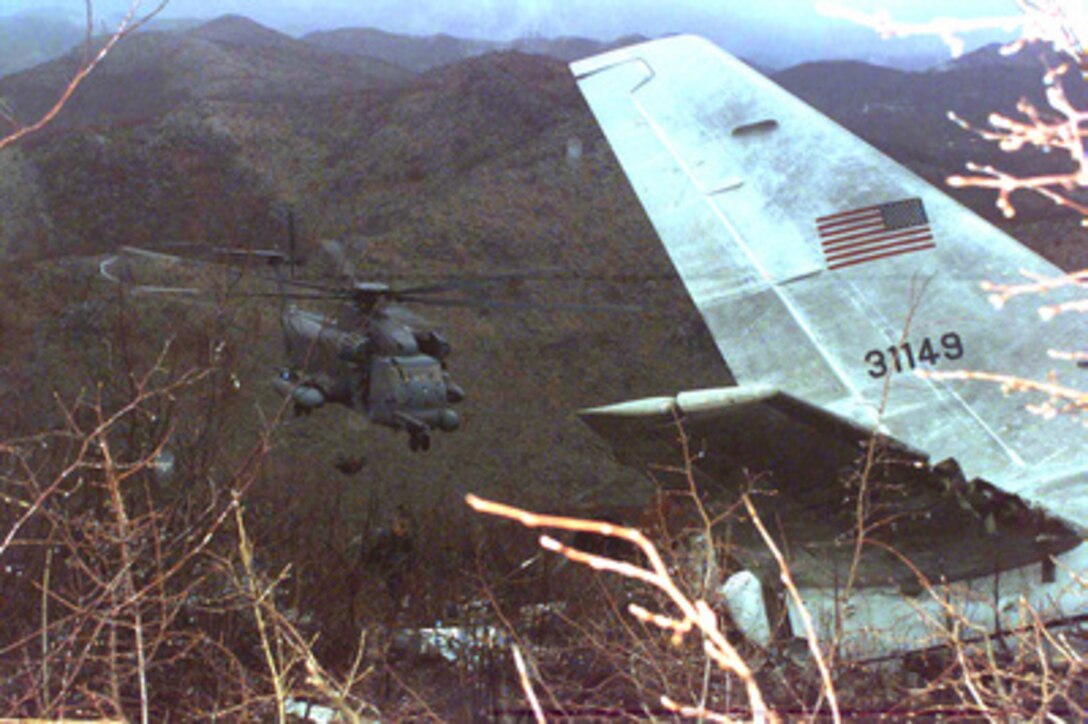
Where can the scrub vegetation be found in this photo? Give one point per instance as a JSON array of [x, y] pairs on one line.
[[174, 544]]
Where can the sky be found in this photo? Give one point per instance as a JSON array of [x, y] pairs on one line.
[[791, 30]]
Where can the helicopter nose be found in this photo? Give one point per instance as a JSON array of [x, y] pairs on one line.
[[449, 420], [454, 393]]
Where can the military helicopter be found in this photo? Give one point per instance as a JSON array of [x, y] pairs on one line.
[[375, 356], [378, 359]]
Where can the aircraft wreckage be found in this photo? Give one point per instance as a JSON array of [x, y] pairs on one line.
[[832, 280]]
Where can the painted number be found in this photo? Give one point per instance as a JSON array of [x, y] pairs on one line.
[[905, 356]]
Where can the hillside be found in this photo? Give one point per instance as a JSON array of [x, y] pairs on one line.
[[227, 96], [28, 40], [413, 53], [906, 115], [230, 59], [151, 135], [571, 48], [1034, 56], [461, 169], [422, 53], [449, 169], [458, 171]]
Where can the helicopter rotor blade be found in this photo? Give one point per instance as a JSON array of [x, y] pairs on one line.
[[184, 295], [158, 255], [177, 291], [467, 282], [216, 255], [442, 286], [290, 295], [362, 293], [525, 306], [318, 286]]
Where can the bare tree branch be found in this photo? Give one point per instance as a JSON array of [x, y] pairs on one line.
[[91, 60]]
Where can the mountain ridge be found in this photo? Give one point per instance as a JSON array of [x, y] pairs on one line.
[[490, 163], [422, 53], [255, 84], [27, 40]]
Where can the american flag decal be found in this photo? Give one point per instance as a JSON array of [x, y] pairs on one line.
[[854, 237]]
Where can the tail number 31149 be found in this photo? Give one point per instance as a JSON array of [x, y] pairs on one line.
[[905, 356]]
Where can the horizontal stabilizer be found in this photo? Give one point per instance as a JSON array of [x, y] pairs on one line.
[[735, 406], [807, 465]]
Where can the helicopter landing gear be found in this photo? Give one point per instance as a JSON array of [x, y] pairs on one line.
[[419, 441]]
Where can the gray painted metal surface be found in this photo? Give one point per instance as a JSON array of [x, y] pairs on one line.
[[789, 234], [804, 465]]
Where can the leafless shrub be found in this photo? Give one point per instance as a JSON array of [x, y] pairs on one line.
[[126, 600], [92, 58], [605, 662], [694, 615]]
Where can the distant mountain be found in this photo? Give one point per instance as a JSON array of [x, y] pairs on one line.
[[570, 48], [1034, 56], [413, 53], [27, 40], [421, 53], [321, 121], [74, 13], [907, 61], [906, 114], [230, 58], [247, 59], [172, 25], [160, 131], [235, 30], [459, 170], [30, 39], [462, 115]]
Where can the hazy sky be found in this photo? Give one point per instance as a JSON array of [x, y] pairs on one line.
[[789, 28]]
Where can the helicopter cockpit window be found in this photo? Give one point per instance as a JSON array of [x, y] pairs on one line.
[[421, 368]]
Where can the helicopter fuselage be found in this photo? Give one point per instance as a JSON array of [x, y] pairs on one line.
[[381, 366]]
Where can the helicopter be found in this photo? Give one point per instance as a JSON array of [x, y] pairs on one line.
[[375, 356], [378, 359]]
